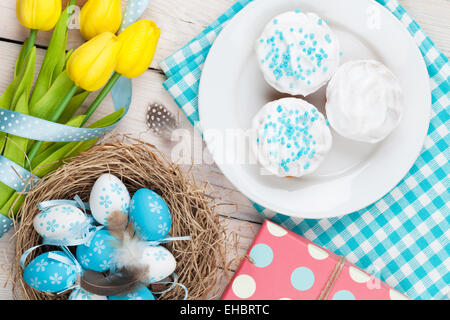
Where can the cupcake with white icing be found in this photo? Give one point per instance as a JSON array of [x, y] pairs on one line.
[[298, 53], [291, 137], [364, 101]]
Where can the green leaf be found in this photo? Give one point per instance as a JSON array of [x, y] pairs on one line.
[[73, 106], [59, 68], [16, 147], [68, 54], [20, 58], [109, 119], [15, 200], [22, 82], [26, 78], [6, 99], [55, 51], [52, 98]]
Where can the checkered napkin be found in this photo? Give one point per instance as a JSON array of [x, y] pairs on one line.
[[404, 237]]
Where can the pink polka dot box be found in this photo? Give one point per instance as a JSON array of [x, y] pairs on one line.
[[283, 265]]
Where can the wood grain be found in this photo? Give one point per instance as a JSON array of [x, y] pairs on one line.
[[180, 21]]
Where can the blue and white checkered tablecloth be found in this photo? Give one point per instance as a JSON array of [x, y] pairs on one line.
[[404, 237]]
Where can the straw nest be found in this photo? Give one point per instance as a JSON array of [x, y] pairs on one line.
[[200, 261]]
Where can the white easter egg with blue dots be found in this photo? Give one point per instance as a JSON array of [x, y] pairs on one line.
[[150, 215], [142, 293], [97, 255], [81, 294], [50, 275], [62, 222], [108, 194], [160, 261]]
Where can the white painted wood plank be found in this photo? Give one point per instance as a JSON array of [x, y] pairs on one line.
[[181, 20], [6, 251], [434, 18]]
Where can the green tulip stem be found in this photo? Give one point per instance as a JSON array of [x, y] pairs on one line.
[[58, 112], [101, 96], [31, 41]]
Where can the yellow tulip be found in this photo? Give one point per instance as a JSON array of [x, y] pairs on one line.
[[139, 43], [91, 65], [38, 14], [98, 16]]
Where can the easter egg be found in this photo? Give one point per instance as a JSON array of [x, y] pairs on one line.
[[160, 261], [97, 254], [150, 215], [62, 222], [81, 294], [108, 194], [142, 293], [45, 273]]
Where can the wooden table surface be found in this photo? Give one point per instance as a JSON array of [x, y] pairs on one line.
[[180, 21]]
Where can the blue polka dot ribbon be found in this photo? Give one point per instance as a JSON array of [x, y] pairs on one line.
[[30, 127], [33, 128], [5, 225], [77, 202], [134, 10], [15, 176]]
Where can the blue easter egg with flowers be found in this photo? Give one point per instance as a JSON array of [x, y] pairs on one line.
[[150, 215], [47, 273], [97, 254]]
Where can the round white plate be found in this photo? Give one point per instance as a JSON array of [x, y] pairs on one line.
[[354, 175]]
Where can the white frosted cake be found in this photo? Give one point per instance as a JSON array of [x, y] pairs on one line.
[[364, 101], [298, 53], [291, 137]]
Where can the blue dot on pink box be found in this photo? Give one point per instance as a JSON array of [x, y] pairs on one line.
[[262, 255], [343, 295], [302, 279]]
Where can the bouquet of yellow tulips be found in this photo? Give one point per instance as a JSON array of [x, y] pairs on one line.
[[66, 78]]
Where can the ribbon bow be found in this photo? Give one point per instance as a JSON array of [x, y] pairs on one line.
[[173, 284], [167, 240]]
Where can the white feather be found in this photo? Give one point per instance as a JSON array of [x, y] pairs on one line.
[[129, 253]]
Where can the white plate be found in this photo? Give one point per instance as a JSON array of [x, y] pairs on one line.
[[354, 175]]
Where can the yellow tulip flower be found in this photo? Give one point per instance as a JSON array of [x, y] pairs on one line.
[[38, 14], [139, 43], [91, 65], [98, 16]]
